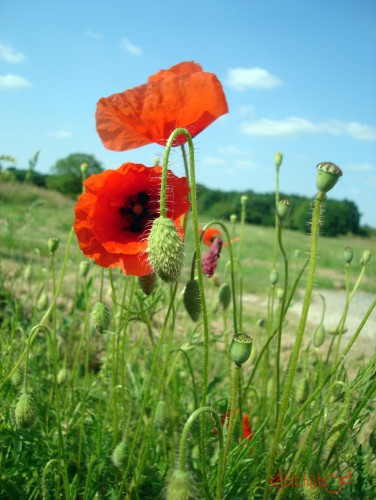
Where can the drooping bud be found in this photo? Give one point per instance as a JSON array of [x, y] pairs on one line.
[[147, 283], [84, 267], [25, 411], [165, 250], [240, 348], [261, 323], [160, 419], [192, 300], [327, 176], [120, 455], [225, 295], [319, 336], [302, 390], [273, 277], [365, 257], [180, 486], [283, 210], [348, 255], [53, 244], [100, 317], [278, 157]]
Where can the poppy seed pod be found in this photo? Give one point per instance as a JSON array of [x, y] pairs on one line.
[[240, 348], [327, 176], [100, 317], [25, 411], [160, 418], [348, 255], [147, 283], [165, 250], [283, 210], [365, 257], [62, 376], [192, 300], [180, 486], [53, 244], [278, 157], [225, 295], [120, 455], [273, 277]]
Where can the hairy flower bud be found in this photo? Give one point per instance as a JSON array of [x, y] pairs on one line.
[[240, 348], [62, 376], [148, 283], [160, 419], [348, 255], [180, 486], [120, 455], [327, 176], [84, 267], [165, 250], [225, 295], [100, 317], [25, 411], [192, 300], [278, 157], [365, 257], [283, 210]]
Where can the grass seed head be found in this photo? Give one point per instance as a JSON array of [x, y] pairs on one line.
[[165, 250]]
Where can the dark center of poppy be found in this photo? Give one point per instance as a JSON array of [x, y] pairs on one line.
[[137, 211]]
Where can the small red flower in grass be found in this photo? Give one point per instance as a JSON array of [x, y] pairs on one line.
[[209, 236], [113, 217], [182, 96], [247, 429]]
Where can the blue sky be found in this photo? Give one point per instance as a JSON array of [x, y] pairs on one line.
[[299, 77]]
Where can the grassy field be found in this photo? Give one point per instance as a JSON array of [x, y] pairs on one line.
[[109, 404]]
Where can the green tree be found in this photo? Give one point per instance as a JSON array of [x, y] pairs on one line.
[[66, 175]]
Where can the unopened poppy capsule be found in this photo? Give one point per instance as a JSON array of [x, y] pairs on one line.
[[165, 250], [240, 348], [283, 210], [225, 295], [327, 176], [100, 317], [192, 300], [25, 411], [147, 283], [180, 486], [278, 157], [365, 257], [53, 244], [348, 255]]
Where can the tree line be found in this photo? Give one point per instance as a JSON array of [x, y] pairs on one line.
[[341, 216]]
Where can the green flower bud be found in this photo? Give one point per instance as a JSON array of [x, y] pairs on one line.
[[100, 317], [25, 411], [148, 283], [348, 255], [165, 250], [120, 455], [160, 419], [53, 244], [62, 376], [261, 323], [84, 168], [319, 336], [278, 157], [243, 200], [28, 272], [192, 300], [327, 176], [225, 295], [283, 210], [233, 218], [302, 390], [280, 293], [84, 267], [365, 257], [42, 301], [273, 277], [240, 348], [180, 486]]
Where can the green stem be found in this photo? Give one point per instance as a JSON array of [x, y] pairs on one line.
[[232, 420], [299, 337]]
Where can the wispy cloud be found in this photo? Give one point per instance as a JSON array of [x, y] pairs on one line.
[[9, 54], [251, 78], [129, 47], [14, 82], [245, 165], [232, 150], [361, 167], [61, 134], [295, 126], [213, 161], [93, 35]]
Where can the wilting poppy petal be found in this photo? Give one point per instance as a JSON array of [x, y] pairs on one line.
[[210, 260], [114, 216], [182, 96], [210, 234]]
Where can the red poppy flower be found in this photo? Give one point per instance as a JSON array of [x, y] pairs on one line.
[[210, 234], [247, 429], [113, 217], [182, 96]]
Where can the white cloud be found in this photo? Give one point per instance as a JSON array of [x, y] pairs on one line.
[[294, 126], [14, 82], [361, 167], [231, 150], [9, 54], [245, 165], [61, 134], [251, 78], [213, 161], [93, 35], [126, 45]]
